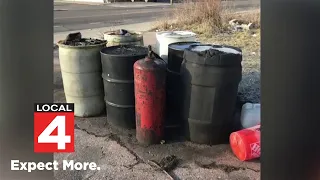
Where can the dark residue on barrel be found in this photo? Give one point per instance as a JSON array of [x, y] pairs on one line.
[[75, 39], [127, 50]]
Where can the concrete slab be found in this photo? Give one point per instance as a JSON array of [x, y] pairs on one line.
[[115, 161]]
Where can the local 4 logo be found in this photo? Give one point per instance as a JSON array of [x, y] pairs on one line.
[[53, 127]]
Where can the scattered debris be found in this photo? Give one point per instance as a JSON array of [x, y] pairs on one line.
[[154, 164], [75, 39], [238, 25], [168, 163], [226, 168]]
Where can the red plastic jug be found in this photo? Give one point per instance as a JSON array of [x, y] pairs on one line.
[[245, 143]]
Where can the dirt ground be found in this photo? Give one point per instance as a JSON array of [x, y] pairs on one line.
[[119, 155]]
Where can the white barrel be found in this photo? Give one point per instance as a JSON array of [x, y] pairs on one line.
[[81, 75], [168, 37], [250, 115], [132, 38]]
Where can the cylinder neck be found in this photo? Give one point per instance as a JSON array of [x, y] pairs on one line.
[[150, 56]]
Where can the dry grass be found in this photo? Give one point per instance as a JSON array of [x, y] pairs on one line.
[[210, 22], [201, 17], [249, 42], [252, 16]]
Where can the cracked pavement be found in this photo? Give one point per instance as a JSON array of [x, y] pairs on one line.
[[120, 157]]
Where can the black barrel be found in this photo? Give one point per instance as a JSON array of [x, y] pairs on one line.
[[117, 73], [211, 75], [175, 55], [174, 85]]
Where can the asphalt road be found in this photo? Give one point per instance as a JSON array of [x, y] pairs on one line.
[[70, 17]]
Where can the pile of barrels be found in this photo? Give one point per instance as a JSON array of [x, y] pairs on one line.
[[191, 90]]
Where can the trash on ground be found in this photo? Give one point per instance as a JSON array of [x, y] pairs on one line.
[[245, 143], [238, 25], [250, 115], [168, 163]]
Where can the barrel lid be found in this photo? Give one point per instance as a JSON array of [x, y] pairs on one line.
[[176, 34], [220, 48], [181, 46], [124, 51], [213, 55], [238, 146]]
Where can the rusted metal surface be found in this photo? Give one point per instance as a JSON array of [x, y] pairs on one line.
[[150, 98]]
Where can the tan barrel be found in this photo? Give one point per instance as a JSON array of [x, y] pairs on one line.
[[134, 38], [81, 75]]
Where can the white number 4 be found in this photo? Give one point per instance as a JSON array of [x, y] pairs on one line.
[[61, 139]]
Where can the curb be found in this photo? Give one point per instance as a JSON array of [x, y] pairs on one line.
[[82, 3]]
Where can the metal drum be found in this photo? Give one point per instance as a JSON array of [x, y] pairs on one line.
[[81, 74], [117, 74], [174, 87], [210, 75]]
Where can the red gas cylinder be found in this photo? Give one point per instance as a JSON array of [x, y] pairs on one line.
[[245, 143], [150, 98]]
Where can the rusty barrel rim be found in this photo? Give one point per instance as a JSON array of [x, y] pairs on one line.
[[62, 45]]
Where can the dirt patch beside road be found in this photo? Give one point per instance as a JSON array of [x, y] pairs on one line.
[[212, 25]]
